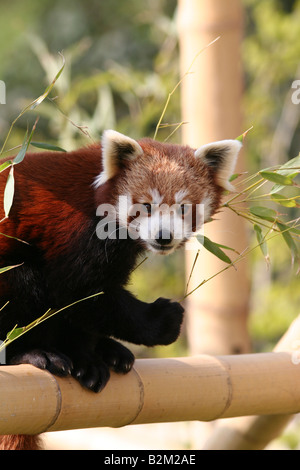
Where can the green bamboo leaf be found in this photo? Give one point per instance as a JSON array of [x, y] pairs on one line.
[[214, 248], [285, 231], [287, 169], [5, 165], [294, 230], [264, 213], [21, 154], [234, 177], [278, 178], [14, 333], [44, 145], [7, 268], [225, 247], [27, 139], [242, 137], [262, 242], [283, 201]]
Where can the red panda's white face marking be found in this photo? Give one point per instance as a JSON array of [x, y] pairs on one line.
[[163, 227], [157, 198], [162, 194]]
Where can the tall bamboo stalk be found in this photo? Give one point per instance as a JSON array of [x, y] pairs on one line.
[[211, 104]]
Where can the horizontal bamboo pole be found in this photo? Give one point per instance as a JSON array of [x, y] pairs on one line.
[[256, 432], [201, 388]]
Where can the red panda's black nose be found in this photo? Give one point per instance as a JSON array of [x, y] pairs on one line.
[[164, 237]]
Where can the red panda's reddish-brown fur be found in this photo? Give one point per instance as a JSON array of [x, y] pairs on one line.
[[43, 178], [170, 168], [63, 259], [20, 442]]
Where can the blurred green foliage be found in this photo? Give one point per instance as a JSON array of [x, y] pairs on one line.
[[121, 63], [271, 58]]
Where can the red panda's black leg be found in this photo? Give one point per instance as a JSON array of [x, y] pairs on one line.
[[138, 322]]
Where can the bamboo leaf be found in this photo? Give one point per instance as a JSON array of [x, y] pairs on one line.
[[285, 231], [5, 165], [214, 248], [7, 268], [294, 230], [242, 137], [234, 177], [21, 154], [287, 169], [33, 104], [283, 201], [264, 213], [9, 192], [44, 145], [278, 178], [14, 333], [27, 139], [262, 242], [226, 247]]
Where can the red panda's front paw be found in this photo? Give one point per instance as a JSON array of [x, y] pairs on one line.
[[165, 318], [55, 362], [91, 372], [115, 355]]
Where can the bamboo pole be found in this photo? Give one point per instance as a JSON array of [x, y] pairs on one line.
[[211, 106], [157, 390], [256, 432]]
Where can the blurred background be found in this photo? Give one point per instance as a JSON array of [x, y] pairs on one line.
[[123, 59]]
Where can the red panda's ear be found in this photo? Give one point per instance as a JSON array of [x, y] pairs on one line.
[[222, 157], [116, 150]]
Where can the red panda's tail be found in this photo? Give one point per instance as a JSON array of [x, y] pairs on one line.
[[20, 442]]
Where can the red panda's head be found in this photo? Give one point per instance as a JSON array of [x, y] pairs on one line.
[[161, 194]]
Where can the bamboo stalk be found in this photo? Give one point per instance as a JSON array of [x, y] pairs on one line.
[[211, 98], [157, 390]]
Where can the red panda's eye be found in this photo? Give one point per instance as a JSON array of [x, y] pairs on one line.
[[185, 209], [147, 207]]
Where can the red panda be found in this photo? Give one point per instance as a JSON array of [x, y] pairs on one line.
[[86, 217]]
